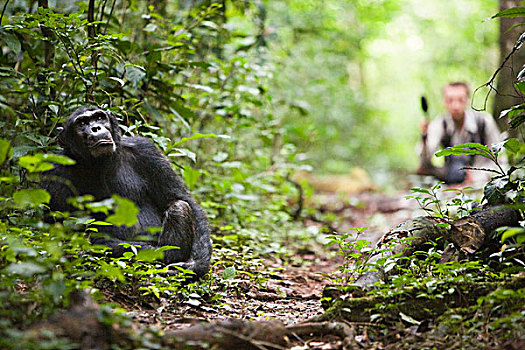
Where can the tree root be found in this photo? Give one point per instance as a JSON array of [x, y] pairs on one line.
[[84, 324], [342, 330], [415, 304]]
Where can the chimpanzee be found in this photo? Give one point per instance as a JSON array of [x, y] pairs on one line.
[[133, 168]]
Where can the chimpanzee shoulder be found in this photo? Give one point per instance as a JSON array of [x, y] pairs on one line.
[[142, 151]]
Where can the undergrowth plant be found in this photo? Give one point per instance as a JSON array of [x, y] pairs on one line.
[[175, 74]]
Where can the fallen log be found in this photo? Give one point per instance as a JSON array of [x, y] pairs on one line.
[[82, 325], [468, 234]]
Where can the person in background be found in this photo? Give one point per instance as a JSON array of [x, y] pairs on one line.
[[459, 125]]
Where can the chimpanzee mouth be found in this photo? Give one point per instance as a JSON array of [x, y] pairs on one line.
[[102, 143]]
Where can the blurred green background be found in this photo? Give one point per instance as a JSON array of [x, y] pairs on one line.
[[355, 72]]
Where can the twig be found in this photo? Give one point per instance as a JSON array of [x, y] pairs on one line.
[[109, 17], [490, 83], [3, 11]]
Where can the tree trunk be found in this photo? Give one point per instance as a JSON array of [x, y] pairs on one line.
[[507, 96]]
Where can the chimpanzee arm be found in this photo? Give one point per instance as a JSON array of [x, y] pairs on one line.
[[56, 183], [185, 222], [164, 186]]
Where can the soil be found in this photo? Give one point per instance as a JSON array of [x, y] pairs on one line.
[[294, 294]]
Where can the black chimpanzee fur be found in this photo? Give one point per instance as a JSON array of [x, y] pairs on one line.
[[131, 167]]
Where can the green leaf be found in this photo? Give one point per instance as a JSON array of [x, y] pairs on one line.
[[199, 136], [109, 271], [149, 255], [182, 112], [135, 74], [517, 121], [202, 87], [512, 12], [54, 109], [512, 145], [520, 87], [101, 207], [125, 212], [466, 149], [409, 319], [150, 27], [32, 197], [184, 152], [25, 269], [190, 175], [513, 111], [511, 232], [40, 162], [100, 223], [34, 164], [229, 273], [5, 150], [118, 80], [495, 189], [12, 42], [57, 158], [220, 157]]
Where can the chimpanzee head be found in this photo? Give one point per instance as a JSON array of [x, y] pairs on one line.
[[90, 133]]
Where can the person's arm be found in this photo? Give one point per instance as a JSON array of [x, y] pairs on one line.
[[492, 133], [433, 140]]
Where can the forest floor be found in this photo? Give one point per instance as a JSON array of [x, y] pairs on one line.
[[291, 288], [293, 294]]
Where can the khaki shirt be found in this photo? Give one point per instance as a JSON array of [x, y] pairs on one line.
[[436, 132]]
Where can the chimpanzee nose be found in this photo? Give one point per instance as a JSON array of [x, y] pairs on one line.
[[95, 128]]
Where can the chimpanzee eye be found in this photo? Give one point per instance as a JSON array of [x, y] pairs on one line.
[[99, 116]]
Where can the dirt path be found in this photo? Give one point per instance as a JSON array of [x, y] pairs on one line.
[[292, 295]]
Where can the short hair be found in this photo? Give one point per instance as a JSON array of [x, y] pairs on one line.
[[457, 84]]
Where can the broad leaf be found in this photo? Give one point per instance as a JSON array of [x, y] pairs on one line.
[[467, 149], [512, 12], [40, 162], [135, 74], [25, 269], [12, 42], [125, 212], [183, 152], [495, 189], [149, 255], [512, 145], [191, 176], [32, 197], [5, 148], [229, 273], [511, 232], [199, 136]]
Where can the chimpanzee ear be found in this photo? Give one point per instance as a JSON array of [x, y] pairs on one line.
[[61, 136]]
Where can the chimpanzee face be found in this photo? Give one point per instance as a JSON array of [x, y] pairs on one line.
[[89, 132], [94, 129]]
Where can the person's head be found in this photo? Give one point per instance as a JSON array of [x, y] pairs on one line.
[[455, 97]]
